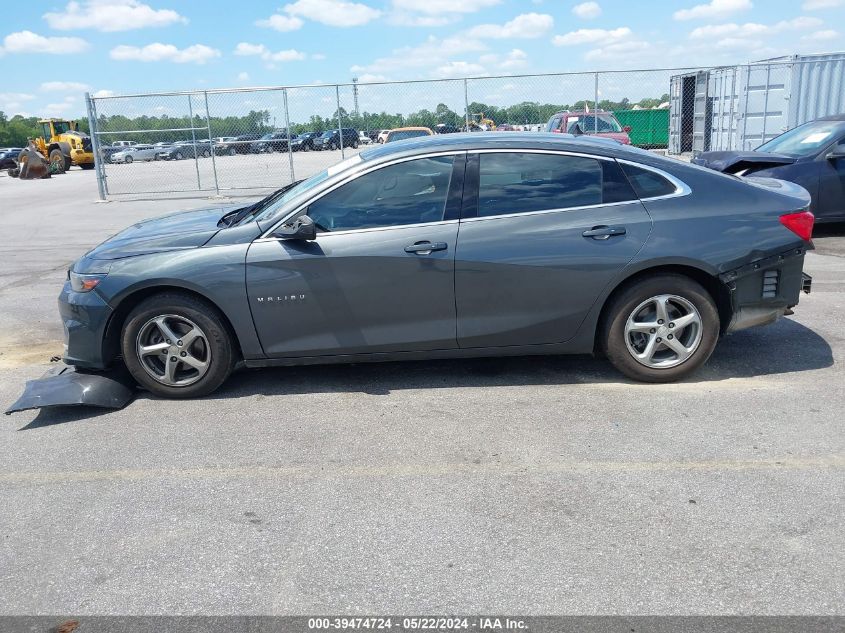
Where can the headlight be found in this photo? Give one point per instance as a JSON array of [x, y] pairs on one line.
[[84, 283]]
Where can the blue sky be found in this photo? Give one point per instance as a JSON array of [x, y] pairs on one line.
[[51, 52]]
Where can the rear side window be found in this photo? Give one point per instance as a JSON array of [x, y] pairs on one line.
[[517, 182], [646, 183]]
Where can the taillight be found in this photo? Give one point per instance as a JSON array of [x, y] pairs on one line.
[[800, 223]]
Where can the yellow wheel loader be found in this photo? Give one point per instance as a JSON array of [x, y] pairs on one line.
[[63, 145]]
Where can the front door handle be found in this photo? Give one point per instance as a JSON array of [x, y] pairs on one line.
[[426, 247], [604, 232]]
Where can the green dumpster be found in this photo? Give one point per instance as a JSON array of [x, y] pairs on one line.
[[649, 128]]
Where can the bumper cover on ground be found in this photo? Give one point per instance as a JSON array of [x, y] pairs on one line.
[[68, 386]]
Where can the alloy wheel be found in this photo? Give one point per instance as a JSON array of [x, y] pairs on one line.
[[173, 350], [663, 331]]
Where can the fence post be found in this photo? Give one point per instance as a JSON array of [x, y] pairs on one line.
[[95, 146], [194, 137], [466, 105], [339, 124], [287, 127], [596, 106], [211, 143]]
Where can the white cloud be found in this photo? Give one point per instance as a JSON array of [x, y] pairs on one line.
[[243, 76], [527, 25], [403, 18], [824, 35], [818, 5], [68, 108], [245, 49], [111, 15], [12, 102], [318, 56], [281, 23], [618, 51], [29, 42], [64, 86], [591, 36], [715, 9], [432, 53], [369, 77], [158, 52], [440, 7], [100, 94], [587, 10], [751, 30], [333, 12], [458, 69]]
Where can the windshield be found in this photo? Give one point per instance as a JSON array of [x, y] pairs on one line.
[[587, 123], [803, 140], [398, 136], [268, 211], [328, 133]]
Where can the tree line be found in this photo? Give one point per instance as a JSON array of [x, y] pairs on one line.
[[15, 131]]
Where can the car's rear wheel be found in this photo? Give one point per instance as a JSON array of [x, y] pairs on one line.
[[177, 346], [178, 156], [660, 328], [127, 160], [232, 152]]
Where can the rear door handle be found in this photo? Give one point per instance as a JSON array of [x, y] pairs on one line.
[[604, 232], [426, 247]]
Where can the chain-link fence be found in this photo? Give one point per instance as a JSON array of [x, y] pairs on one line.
[[258, 139]]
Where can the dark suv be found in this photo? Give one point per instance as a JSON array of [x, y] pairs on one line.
[[274, 142], [241, 145], [596, 123], [330, 139]]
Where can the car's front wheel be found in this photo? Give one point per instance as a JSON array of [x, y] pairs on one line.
[[177, 346], [660, 328]]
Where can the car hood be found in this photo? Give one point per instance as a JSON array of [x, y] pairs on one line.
[[188, 229], [732, 162]]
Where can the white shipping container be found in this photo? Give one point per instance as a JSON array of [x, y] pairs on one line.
[[747, 105]]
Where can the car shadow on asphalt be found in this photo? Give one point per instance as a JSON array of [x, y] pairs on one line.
[[782, 348]]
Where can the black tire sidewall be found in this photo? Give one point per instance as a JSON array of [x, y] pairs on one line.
[[206, 316], [612, 337]]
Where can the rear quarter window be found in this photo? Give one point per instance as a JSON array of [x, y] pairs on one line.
[[647, 184]]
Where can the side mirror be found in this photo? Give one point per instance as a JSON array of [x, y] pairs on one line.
[[302, 228], [836, 152], [627, 128]]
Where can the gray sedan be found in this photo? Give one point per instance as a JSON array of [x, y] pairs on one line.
[[136, 153], [448, 246]]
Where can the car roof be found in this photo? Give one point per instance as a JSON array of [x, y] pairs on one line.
[[511, 140], [411, 129]]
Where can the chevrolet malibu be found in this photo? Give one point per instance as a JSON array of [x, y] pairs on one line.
[[448, 246]]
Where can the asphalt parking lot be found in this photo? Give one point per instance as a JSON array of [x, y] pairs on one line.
[[523, 485]]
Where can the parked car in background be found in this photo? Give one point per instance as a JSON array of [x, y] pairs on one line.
[[363, 138], [402, 133], [186, 149], [382, 136], [9, 157], [221, 144], [550, 245], [303, 142], [443, 128], [136, 153], [506, 127], [124, 143], [811, 155], [331, 139], [594, 123], [240, 145], [273, 142]]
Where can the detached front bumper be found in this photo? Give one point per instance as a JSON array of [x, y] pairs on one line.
[[85, 316], [764, 290]]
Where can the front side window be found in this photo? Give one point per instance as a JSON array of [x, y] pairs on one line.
[[524, 182], [412, 192]]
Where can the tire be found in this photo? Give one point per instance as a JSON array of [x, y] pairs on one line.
[[354, 144], [625, 330], [232, 152], [57, 161], [178, 156], [180, 314], [87, 165], [127, 160], [206, 153]]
